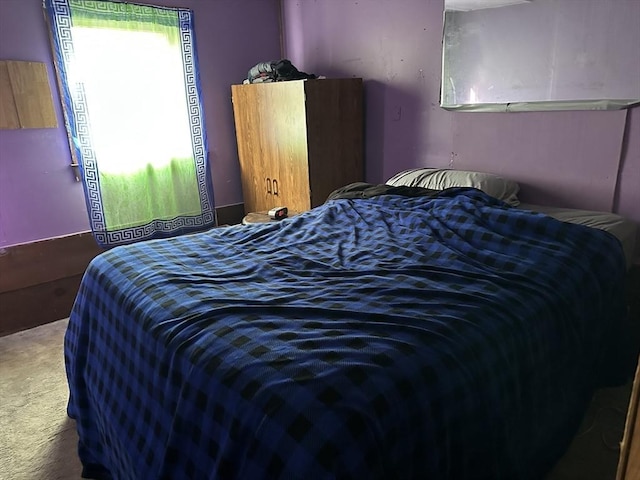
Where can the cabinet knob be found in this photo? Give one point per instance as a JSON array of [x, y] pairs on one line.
[[275, 187], [268, 185]]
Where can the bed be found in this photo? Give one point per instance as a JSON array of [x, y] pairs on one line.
[[622, 228], [404, 333]]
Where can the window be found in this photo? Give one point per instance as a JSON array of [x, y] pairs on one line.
[[133, 111]]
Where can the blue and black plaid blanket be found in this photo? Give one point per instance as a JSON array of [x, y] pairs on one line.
[[451, 337]]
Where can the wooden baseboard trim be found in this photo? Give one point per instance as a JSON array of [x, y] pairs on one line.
[[45, 261], [39, 280], [230, 214], [33, 306]]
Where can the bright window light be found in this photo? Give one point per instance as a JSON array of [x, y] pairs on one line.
[[120, 69]]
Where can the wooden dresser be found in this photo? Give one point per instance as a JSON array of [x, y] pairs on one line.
[[629, 464], [298, 140]]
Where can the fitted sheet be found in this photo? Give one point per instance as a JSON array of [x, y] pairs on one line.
[[622, 228]]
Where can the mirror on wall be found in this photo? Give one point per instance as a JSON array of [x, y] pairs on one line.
[[519, 55]]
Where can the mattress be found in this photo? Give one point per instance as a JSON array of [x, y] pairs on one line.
[[390, 337], [623, 229]]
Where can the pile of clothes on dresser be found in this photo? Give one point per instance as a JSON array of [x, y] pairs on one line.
[[278, 71]]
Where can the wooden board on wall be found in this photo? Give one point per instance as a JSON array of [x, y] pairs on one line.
[[30, 94], [8, 111]]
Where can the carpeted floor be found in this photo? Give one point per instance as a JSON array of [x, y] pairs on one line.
[[594, 452], [38, 440]]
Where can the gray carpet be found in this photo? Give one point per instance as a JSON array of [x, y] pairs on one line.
[[594, 452], [38, 440]]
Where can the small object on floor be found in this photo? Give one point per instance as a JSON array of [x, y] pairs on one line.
[[278, 213], [265, 217]]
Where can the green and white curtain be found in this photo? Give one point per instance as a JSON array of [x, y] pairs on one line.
[[133, 111]]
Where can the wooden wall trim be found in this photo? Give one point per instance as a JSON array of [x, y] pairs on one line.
[[39, 281], [230, 214], [36, 305], [45, 261], [629, 460]]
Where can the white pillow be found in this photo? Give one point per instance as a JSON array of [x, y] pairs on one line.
[[441, 178]]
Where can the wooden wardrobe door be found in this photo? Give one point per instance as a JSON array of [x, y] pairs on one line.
[[249, 115], [272, 145], [287, 137]]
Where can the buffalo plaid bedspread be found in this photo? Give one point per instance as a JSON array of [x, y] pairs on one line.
[[451, 337]]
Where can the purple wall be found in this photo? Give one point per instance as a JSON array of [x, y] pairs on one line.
[[39, 197], [575, 159], [579, 159]]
